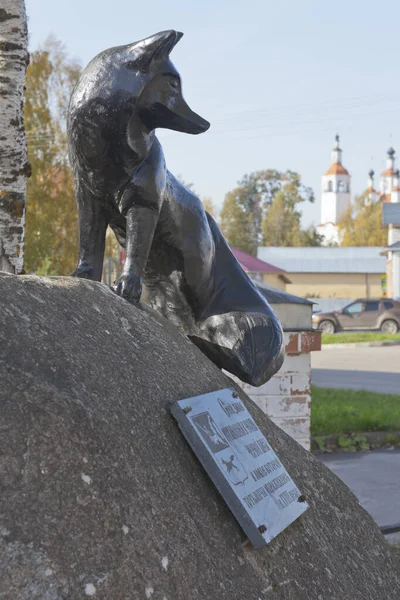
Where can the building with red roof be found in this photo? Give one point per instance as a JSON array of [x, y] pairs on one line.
[[261, 271]]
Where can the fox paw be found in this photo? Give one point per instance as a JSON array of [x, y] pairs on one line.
[[83, 271], [129, 287]]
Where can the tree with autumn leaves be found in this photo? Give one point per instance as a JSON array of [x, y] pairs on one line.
[[361, 224], [264, 210], [51, 216]]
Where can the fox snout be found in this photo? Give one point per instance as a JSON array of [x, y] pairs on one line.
[[185, 120], [161, 104]]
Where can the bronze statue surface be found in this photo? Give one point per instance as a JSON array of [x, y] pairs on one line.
[[171, 243]]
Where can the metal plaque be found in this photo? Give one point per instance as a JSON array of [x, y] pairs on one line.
[[241, 463]]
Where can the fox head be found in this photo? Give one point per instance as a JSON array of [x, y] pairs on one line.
[[160, 102]]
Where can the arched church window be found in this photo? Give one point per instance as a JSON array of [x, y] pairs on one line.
[[329, 186], [341, 187]]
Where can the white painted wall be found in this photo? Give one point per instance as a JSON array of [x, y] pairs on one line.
[[330, 233], [334, 203], [395, 196], [396, 274], [294, 319], [328, 207], [286, 398], [386, 184], [372, 198], [393, 235]]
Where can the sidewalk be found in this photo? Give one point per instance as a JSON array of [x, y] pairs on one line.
[[360, 345], [374, 478]]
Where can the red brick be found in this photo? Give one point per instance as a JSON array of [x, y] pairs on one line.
[[292, 347], [310, 341]]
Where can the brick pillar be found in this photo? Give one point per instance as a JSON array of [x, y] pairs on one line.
[[286, 398]]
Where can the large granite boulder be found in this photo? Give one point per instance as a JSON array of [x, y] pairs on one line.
[[100, 494]]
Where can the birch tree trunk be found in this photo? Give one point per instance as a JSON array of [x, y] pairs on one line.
[[14, 166]]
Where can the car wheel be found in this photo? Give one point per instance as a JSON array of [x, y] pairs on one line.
[[327, 327], [389, 326]]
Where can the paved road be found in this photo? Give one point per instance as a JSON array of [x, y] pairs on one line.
[[373, 381], [374, 478], [373, 369]]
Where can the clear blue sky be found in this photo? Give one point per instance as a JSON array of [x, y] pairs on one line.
[[276, 80]]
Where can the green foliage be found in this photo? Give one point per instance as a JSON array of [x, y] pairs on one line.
[[310, 237], [348, 411], [236, 224], [281, 223], [351, 443], [393, 439], [263, 209], [361, 224], [51, 216], [45, 269], [320, 440], [351, 338]]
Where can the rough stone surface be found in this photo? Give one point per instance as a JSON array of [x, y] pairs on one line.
[[102, 497]]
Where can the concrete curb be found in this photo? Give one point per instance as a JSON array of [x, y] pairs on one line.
[[360, 345], [351, 442]]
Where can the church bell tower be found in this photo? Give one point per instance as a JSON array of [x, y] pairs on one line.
[[335, 196]]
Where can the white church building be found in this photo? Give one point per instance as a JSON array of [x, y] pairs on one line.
[[336, 192], [335, 196]]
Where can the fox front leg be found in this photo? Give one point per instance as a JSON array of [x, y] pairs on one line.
[[141, 202], [92, 235], [140, 226]]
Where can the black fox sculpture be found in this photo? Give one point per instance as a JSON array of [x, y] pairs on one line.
[[171, 243]]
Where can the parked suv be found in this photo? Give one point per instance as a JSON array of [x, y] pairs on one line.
[[379, 313]]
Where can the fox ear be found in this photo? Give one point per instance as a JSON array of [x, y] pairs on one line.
[[155, 47]]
